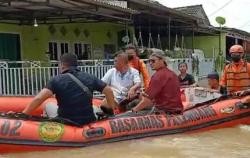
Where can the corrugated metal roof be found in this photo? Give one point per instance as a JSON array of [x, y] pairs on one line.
[[236, 31], [24, 11]]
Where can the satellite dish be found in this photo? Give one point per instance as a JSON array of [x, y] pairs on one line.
[[220, 20]]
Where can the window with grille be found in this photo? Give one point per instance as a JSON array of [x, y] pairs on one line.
[[64, 48], [57, 49], [53, 51], [82, 50]]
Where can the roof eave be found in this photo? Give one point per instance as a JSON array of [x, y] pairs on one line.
[[165, 9]]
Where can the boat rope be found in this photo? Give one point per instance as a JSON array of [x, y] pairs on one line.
[[140, 42], [22, 116], [150, 41], [158, 45]]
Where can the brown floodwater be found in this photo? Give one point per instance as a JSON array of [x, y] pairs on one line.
[[222, 143]]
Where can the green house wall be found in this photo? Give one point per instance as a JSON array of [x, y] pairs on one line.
[[207, 44], [34, 40]]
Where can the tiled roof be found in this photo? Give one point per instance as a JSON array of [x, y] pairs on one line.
[[197, 11], [112, 4], [155, 5]]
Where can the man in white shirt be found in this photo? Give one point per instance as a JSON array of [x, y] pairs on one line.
[[124, 80]]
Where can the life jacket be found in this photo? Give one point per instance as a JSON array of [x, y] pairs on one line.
[[237, 81], [136, 64]]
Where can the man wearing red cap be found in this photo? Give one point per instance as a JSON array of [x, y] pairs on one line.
[[236, 75]]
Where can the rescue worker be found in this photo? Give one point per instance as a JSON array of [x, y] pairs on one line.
[[138, 64], [236, 75]]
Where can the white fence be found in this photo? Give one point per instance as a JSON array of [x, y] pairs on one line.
[[30, 77]]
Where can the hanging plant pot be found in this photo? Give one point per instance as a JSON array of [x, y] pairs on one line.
[[77, 32], [86, 33], [63, 31], [52, 29], [125, 39]]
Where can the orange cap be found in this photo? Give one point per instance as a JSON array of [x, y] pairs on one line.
[[236, 49]]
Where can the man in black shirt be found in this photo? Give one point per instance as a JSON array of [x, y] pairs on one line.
[[74, 103], [185, 78]]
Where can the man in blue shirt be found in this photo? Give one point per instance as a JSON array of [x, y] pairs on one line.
[[74, 103]]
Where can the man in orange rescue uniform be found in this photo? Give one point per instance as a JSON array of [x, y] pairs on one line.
[[136, 63], [236, 75]]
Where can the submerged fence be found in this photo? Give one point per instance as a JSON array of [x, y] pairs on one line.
[[28, 78]]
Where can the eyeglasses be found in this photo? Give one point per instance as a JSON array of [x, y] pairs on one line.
[[152, 61]]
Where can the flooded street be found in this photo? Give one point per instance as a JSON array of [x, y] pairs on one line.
[[222, 143]]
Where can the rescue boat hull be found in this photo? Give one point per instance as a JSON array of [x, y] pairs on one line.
[[19, 134]]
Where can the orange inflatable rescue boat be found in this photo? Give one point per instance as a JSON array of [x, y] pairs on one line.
[[19, 132]]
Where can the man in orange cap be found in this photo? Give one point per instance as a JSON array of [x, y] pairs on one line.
[[236, 75]]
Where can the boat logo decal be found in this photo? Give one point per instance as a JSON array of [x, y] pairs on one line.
[[228, 110], [94, 132], [51, 131]]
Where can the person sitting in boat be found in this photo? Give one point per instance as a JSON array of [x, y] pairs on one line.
[[236, 75], [213, 83], [185, 79], [164, 87], [135, 62], [74, 92], [124, 80]]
